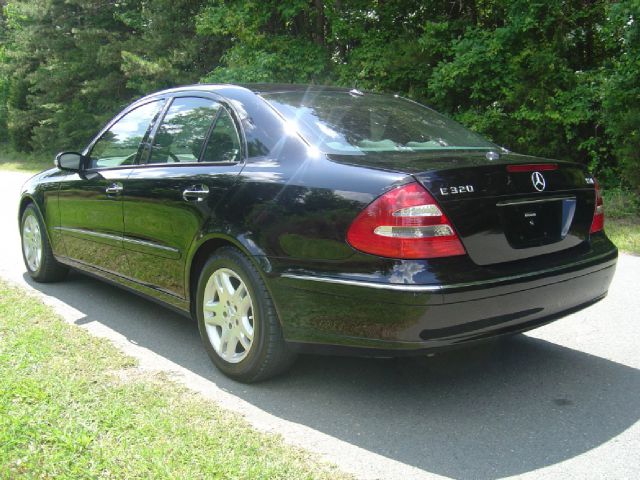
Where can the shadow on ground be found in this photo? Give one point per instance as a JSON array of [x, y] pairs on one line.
[[501, 409]]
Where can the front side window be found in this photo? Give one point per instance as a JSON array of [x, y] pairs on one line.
[[119, 145], [181, 135]]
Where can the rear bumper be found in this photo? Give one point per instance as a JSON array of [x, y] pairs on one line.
[[355, 317]]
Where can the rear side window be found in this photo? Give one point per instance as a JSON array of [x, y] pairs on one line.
[[119, 145], [224, 142], [180, 138]]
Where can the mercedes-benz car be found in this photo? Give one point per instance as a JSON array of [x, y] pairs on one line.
[[290, 219]]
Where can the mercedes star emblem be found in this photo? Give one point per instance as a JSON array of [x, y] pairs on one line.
[[538, 181]]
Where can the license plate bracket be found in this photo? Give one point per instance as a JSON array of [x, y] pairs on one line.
[[533, 223]]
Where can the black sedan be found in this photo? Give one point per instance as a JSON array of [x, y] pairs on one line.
[[291, 219]]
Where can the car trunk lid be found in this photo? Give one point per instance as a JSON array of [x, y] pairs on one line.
[[511, 211], [505, 207]]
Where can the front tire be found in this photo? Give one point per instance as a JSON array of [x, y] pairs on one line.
[[237, 320], [36, 250]]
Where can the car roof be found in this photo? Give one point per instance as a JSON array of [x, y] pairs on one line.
[[256, 88], [291, 87]]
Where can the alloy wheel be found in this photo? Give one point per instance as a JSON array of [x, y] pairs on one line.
[[32, 242], [228, 315]]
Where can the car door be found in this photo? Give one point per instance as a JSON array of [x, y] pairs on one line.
[[90, 202], [192, 159]]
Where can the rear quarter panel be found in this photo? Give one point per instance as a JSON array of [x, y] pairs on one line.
[[299, 206]]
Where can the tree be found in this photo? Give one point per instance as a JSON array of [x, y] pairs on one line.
[[621, 89], [551, 78]]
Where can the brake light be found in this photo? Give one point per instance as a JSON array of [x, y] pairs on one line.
[[532, 167], [598, 214], [405, 222]]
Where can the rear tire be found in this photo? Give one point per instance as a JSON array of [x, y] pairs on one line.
[[237, 320], [36, 249]]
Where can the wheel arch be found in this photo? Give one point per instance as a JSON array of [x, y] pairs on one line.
[[206, 247], [24, 203]]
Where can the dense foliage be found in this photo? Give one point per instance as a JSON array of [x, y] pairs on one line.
[[557, 78]]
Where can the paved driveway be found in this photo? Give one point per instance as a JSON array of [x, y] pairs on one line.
[[560, 402]]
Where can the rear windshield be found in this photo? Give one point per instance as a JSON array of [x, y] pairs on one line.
[[345, 123]]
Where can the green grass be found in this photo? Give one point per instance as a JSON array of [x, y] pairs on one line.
[[73, 406], [625, 234], [622, 219], [25, 162]]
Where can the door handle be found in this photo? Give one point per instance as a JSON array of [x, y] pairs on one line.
[[195, 193], [114, 189]]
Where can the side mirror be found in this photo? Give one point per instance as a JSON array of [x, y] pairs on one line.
[[71, 161]]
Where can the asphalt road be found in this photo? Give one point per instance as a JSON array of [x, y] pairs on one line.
[[560, 402]]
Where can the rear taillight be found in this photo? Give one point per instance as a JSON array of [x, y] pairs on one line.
[[598, 214], [405, 222]]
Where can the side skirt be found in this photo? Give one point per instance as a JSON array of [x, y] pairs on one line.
[[177, 304]]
